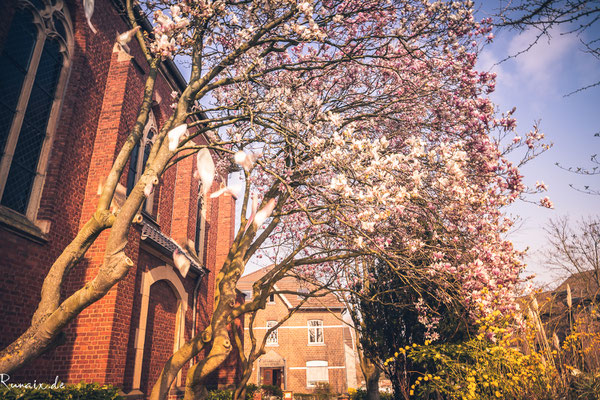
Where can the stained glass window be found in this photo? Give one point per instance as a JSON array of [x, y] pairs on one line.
[[26, 155], [32, 61], [14, 63]]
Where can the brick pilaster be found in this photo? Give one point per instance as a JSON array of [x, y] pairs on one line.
[[181, 201], [225, 226], [94, 326]]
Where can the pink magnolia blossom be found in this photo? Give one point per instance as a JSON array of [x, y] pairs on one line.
[[205, 169], [545, 202], [233, 191], [264, 213], [175, 136]]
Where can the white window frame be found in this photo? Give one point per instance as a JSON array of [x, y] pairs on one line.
[[316, 371], [248, 295], [316, 325], [43, 20], [273, 339]]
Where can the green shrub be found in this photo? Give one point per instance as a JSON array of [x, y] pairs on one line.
[[227, 394], [80, 391], [250, 389], [219, 394], [361, 394], [271, 390]]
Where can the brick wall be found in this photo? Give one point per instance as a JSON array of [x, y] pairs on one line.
[[101, 100], [99, 326], [64, 190], [294, 348], [159, 338]]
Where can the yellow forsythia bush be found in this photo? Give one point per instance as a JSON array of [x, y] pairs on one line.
[[499, 363], [478, 369]]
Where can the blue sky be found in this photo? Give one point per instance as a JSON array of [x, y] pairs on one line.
[[536, 82]]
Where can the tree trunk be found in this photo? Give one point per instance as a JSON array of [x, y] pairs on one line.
[[33, 343], [372, 384], [188, 351], [216, 334], [196, 376], [371, 374], [240, 390]]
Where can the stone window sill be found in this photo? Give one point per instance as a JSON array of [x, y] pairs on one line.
[[20, 225]]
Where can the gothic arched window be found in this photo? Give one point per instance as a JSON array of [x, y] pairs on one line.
[[34, 64], [139, 157]]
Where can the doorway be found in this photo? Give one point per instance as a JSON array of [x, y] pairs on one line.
[[272, 376]]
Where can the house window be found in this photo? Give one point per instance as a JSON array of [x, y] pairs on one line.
[[315, 332], [272, 339], [316, 372], [139, 158], [272, 298], [34, 66], [248, 294]]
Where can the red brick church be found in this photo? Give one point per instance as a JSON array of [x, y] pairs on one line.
[[68, 97]]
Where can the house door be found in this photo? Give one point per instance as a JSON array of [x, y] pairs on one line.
[[267, 378], [272, 376]]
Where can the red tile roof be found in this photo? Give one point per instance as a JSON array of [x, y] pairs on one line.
[[296, 285]]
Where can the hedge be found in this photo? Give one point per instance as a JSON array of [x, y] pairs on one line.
[[80, 391]]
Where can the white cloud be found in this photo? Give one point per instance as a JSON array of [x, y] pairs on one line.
[[543, 64], [487, 61]]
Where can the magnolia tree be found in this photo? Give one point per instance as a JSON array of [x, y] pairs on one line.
[[362, 132], [445, 263]]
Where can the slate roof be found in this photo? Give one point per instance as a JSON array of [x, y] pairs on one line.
[[166, 245]]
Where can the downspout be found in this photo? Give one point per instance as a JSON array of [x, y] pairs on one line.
[[285, 374], [195, 306], [195, 303]]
